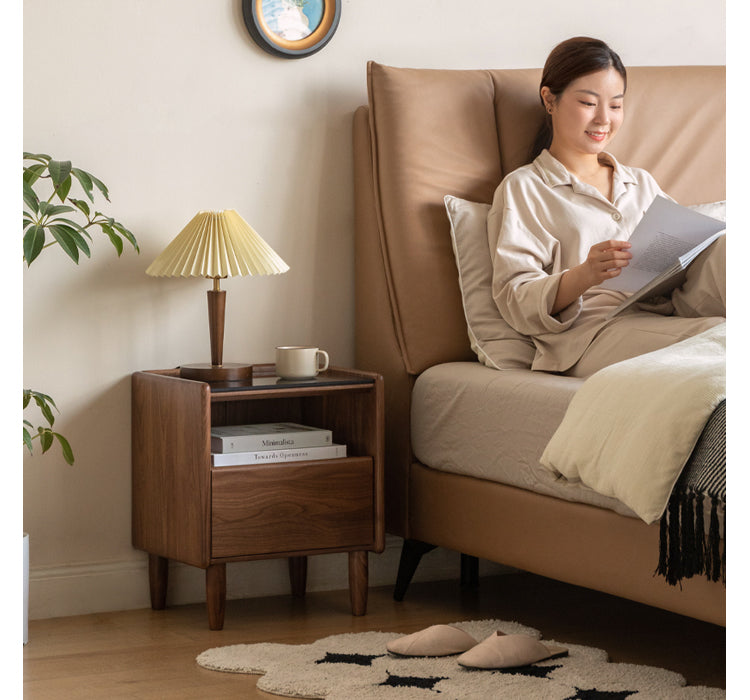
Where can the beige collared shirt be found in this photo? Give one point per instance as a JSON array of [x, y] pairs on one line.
[[544, 221]]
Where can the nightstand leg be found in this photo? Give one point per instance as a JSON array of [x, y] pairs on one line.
[[298, 575], [158, 575], [358, 582], [216, 595]]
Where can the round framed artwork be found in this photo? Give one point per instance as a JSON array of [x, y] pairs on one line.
[[291, 28]]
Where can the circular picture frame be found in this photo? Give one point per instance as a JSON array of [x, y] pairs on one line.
[[291, 28]]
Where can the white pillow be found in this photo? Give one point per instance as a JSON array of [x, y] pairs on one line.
[[495, 343], [716, 209]]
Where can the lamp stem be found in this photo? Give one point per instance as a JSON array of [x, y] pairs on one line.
[[216, 307]]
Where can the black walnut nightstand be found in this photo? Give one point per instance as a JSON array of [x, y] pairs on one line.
[[186, 510]]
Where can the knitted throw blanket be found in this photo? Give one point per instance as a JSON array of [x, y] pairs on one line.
[[692, 530]]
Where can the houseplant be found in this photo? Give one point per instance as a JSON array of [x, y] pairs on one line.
[[51, 217]]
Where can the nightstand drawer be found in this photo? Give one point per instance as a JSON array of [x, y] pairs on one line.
[[277, 508]]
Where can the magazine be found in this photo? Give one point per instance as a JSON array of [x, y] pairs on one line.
[[229, 459], [664, 243], [267, 436]]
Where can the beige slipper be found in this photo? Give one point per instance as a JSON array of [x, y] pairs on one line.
[[509, 650], [437, 640]]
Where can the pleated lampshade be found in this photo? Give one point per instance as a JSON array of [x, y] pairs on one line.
[[217, 244]]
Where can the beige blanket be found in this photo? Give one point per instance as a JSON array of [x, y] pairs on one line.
[[631, 427]]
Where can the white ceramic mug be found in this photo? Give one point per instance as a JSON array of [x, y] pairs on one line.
[[300, 361]]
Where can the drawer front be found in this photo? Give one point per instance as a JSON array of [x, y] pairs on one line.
[[277, 508]]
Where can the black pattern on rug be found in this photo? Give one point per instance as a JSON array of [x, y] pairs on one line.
[[358, 667], [356, 659], [594, 694], [531, 671], [412, 681]]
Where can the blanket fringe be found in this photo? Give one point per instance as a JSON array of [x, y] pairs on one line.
[[684, 548]]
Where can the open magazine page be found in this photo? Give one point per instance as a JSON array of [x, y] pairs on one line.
[[668, 236], [667, 239]]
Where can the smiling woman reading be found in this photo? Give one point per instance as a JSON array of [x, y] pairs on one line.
[[559, 227]]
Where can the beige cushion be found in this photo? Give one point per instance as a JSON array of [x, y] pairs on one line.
[[718, 210], [495, 343]]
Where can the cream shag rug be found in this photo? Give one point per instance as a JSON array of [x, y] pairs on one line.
[[354, 666]]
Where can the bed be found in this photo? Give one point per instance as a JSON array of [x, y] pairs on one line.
[[464, 439]]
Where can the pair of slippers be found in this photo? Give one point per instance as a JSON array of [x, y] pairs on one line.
[[499, 650]]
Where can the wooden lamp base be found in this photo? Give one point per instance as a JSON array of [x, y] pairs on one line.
[[217, 371], [206, 372]]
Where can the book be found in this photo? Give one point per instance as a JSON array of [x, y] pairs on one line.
[[294, 454], [666, 240], [267, 436]]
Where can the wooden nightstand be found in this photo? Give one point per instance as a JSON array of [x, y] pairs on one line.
[[186, 510]]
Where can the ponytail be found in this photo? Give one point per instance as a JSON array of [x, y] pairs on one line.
[[543, 138]]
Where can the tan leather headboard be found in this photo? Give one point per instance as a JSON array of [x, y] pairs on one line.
[[438, 132]]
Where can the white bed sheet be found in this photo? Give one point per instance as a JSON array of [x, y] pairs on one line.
[[490, 424]]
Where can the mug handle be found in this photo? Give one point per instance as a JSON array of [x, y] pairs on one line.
[[324, 355]]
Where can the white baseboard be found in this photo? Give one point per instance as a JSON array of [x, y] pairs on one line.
[[80, 589]]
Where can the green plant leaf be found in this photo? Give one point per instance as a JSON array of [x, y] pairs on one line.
[[27, 438], [81, 205], [43, 157], [85, 180], [73, 224], [48, 209], [33, 242], [66, 450], [80, 241], [29, 198], [127, 234], [46, 410], [59, 171], [32, 173], [100, 186], [63, 235], [44, 401], [88, 182], [113, 237], [79, 233], [64, 188], [45, 438]]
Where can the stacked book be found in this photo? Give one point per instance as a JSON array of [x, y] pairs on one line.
[[261, 443]]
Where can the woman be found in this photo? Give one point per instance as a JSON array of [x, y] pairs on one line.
[[559, 227]]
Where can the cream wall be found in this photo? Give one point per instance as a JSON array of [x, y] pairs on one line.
[[174, 107]]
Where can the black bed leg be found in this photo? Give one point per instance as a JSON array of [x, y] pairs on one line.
[[411, 554], [469, 571]]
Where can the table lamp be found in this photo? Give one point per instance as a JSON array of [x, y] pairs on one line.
[[215, 245]]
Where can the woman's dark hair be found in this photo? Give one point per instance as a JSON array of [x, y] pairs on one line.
[[567, 62]]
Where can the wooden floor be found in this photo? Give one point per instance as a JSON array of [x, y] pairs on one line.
[[147, 654]]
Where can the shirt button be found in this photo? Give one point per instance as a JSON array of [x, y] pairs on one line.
[[617, 216]]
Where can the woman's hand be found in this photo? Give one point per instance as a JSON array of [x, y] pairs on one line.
[[604, 261]]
